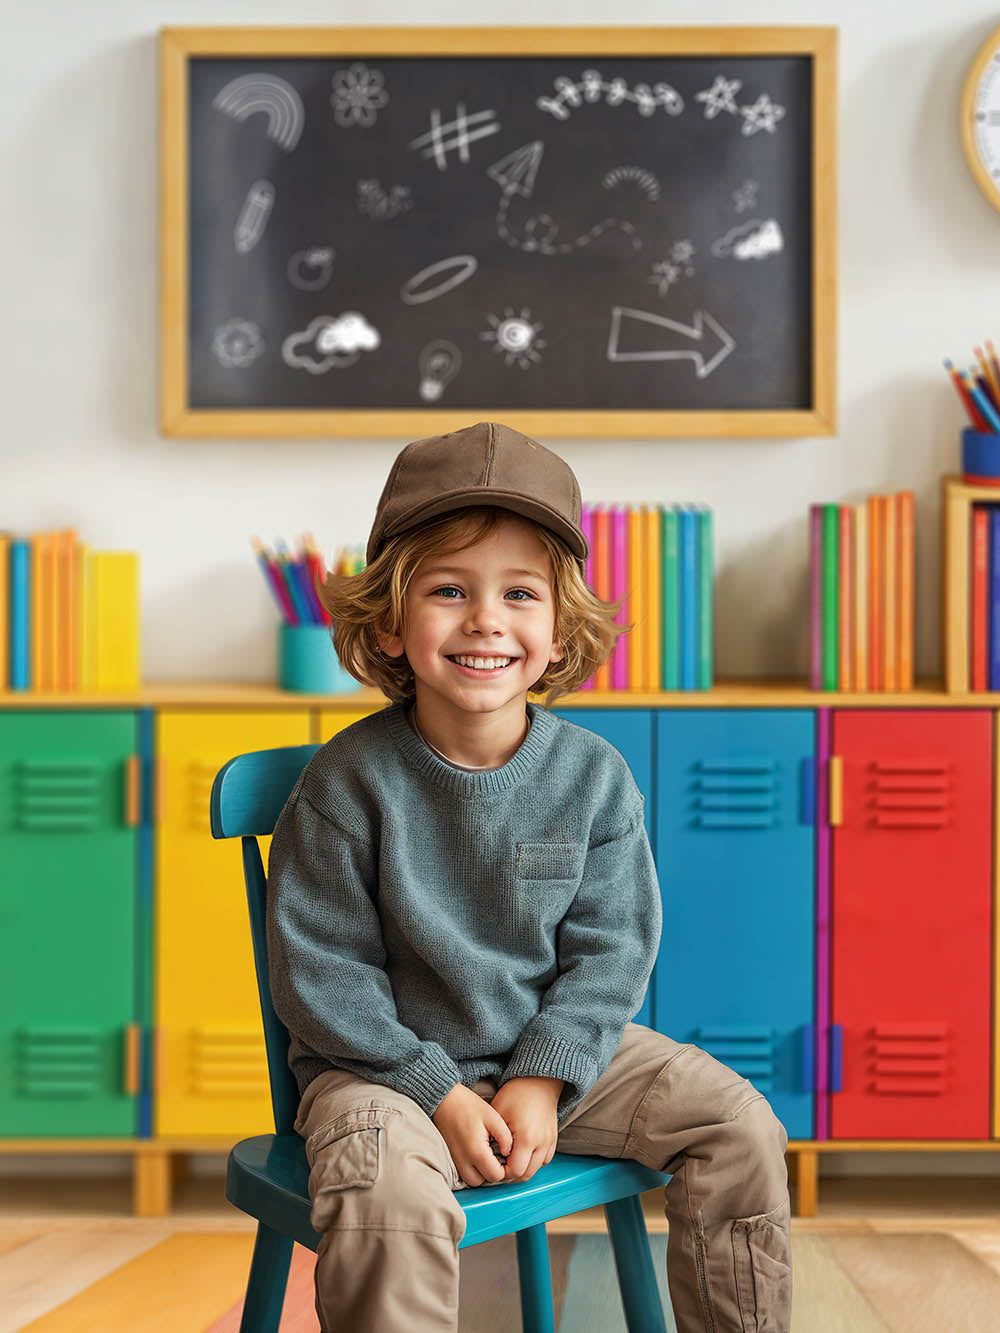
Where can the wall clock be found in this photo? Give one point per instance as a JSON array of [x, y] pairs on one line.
[[981, 118]]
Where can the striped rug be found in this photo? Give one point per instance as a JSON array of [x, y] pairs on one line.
[[157, 1282]]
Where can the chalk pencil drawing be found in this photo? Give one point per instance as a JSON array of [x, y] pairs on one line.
[[463, 131], [459, 269], [761, 115], [310, 270], [439, 363], [752, 240], [704, 342], [253, 216], [720, 97], [645, 180], [380, 204], [358, 95], [515, 336], [237, 343], [330, 342], [570, 95], [269, 95]]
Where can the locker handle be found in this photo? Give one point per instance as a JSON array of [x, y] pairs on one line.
[[836, 790], [808, 1057], [836, 1057], [159, 789], [156, 1041], [131, 811], [130, 1064]]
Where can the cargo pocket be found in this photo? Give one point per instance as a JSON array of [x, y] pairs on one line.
[[763, 1274], [345, 1154]]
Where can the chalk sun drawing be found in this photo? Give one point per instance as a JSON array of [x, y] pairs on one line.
[[310, 270], [237, 343], [358, 95], [253, 216], [515, 336], [274, 97]]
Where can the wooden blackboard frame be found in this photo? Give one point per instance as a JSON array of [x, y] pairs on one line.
[[179, 46]]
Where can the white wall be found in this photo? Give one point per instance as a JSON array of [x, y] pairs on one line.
[[918, 280]]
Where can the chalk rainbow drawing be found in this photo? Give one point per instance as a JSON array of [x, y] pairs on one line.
[[278, 100]]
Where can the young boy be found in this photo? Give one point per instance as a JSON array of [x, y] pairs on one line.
[[463, 915]]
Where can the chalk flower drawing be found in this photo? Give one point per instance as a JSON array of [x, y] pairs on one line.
[[237, 343], [515, 336], [358, 93]]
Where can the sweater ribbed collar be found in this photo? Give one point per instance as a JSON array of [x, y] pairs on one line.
[[457, 780]]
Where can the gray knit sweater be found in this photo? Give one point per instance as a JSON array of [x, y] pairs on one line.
[[428, 925]]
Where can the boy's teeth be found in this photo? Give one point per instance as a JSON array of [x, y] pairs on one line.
[[483, 663]]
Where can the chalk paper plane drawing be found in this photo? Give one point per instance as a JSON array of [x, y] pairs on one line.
[[253, 216], [358, 95], [330, 342], [753, 240], [310, 270], [457, 267], [237, 343], [463, 131], [271, 96], [440, 361], [655, 338], [515, 336]]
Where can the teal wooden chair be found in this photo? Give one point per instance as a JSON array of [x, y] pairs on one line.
[[267, 1176]]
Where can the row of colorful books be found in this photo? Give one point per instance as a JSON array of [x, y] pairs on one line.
[[660, 559], [69, 615], [984, 597], [861, 566]]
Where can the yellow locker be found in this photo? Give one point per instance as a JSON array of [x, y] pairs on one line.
[[332, 720]]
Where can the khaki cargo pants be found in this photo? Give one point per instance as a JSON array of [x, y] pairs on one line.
[[383, 1187]]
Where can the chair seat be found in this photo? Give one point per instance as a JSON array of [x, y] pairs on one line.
[[268, 1177]]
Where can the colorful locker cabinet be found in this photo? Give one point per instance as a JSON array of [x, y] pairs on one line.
[[735, 838], [69, 847], [911, 804]]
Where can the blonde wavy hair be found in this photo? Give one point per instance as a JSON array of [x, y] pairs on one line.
[[585, 625]]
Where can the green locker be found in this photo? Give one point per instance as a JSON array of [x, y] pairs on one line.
[[69, 830]]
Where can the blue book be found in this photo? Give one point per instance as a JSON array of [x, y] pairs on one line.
[[19, 609], [689, 597], [994, 599], [706, 569]]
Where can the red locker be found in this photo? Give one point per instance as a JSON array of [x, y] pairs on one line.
[[911, 923]]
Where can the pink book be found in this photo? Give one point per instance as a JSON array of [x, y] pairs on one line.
[[816, 596], [619, 588], [587, 527]]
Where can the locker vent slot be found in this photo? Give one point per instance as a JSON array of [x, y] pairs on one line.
[[908, 1059], [228, 1062], [58, 1062], [748, 1050], [911, 793], [735, 793], [52, 796]]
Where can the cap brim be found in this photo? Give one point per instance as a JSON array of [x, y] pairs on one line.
[[488, 495]]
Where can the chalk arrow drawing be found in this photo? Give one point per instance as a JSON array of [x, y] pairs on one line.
[[706, 342]]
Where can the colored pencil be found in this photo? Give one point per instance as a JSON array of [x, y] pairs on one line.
[[988, 412], [970, 408]]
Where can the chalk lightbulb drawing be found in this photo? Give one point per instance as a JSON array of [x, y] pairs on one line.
[[516, 336], [440, 362]]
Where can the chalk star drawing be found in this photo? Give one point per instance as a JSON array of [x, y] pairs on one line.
[[440, 362], [237, 343], [670, 341], [753, 240], [745, 196], [434, 144], [380, 204], [253, 215], [310, 270], [266, 93], [617, 91], [358, 95], [720, 97], [515, 336], [762, 115], [329, 342], [645, 180], [515, 174]]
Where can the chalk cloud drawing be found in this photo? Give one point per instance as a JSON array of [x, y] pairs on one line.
[[274, 97], [463, 130], [330, 342], [380, 204], [753, 240], [762, 115], [515, 336], [706, 343], [358, 95], [253, 216], [237, 343], [667, 271], [440, 361], [745, 196], [720, 97], [458, 267], [588, 90], [310, 270], [645, 180]]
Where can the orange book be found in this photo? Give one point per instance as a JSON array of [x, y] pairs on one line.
[[65, 598], [979, 599], [875, 591], [860, 617], [653, 606], [602, 579], [906, 543], [890, 596], [636, 566], [845, 599]]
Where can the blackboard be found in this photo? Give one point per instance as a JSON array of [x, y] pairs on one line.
[[541, 235]]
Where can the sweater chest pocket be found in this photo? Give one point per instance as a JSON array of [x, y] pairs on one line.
[[546, 877]]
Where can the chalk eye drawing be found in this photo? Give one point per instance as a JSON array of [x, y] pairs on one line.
[[720, 97], [645, 180], [278, 100], [515, 174], [358, 95], [458, 268], [440, 361], [380, 204], [310, 270], [762, 115], [667, 271], [617, 92], [237, 343], [463, 130], [330, 343], [754, 240], [745, 196], [253, 216], [705, 343], [515, 336]]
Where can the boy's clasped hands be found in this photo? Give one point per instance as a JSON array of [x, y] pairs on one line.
[[521, 1119]]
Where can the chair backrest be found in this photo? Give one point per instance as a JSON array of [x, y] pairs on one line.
[[248, 795]]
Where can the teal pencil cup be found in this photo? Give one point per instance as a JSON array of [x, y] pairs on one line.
[[308, 663], [980, 457]]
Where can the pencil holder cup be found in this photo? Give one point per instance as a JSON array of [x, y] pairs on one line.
[[307, 661], [980, 457]]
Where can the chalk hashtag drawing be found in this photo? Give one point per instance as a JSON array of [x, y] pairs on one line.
[[463, 131], [720, 97], [237, 343], [358, 94], [645, 180], [253, 216], [515, 174], [274, 97], [310, 269], [661, 339], [515, 336], [616, 92], [457, 267], [762, 115], [329, 343], [753, 240]]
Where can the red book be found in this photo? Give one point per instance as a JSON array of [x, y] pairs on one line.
[[980, 595]]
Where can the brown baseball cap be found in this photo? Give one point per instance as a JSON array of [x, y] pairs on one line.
[[485, 464]]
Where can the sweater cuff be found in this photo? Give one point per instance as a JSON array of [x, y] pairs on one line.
[[549, 1057], [428, 1079]]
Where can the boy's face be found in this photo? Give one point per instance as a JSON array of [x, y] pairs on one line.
[[490, 600]]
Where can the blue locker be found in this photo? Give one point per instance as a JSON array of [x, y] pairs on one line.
[[630, 731], [735, 839]]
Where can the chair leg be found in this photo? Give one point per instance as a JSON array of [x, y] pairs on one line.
[[272, 1253], [634, 1262], [535, 1277]]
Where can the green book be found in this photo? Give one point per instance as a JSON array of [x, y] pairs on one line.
[[831, 525], [670, 621], [706, 580]]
